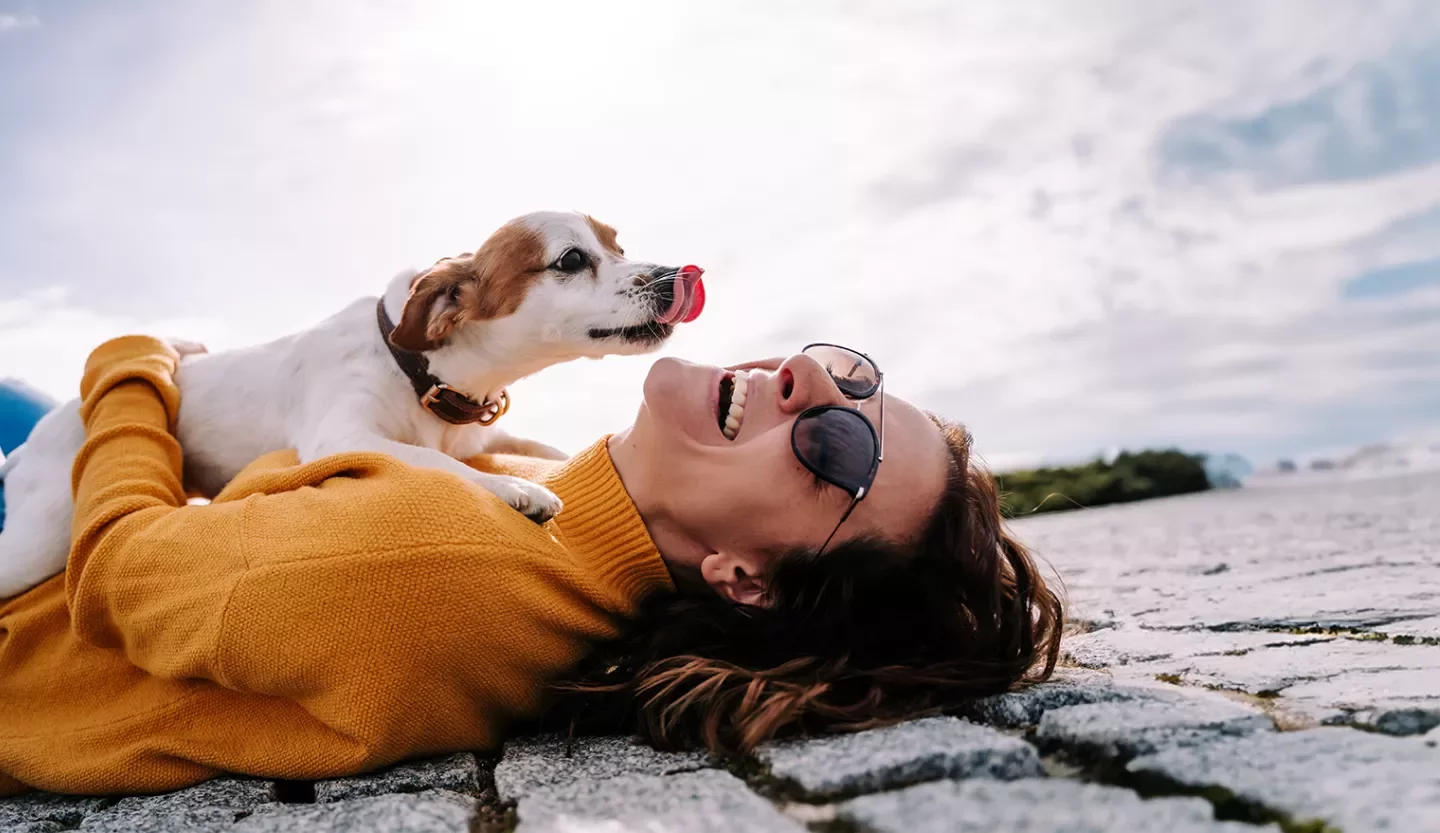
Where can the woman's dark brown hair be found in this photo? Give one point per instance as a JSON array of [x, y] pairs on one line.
[[869, 634]]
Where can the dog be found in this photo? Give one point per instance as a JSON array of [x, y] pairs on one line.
[[419, 374]]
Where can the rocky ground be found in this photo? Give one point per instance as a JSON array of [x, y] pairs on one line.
[[1263, 659]]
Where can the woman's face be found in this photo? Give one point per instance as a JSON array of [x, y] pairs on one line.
[[722, 509]]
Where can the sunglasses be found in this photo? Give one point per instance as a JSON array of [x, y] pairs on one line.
[[838, 443]]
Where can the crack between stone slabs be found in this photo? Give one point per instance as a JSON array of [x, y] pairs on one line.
[[822, 818], [1270, 703], [785, 792], [1228, 806], [1080, 765], [1254, 698], [1410, 639], [492, 815], [1274, 693], [1273, 706], [1319, 640], [837, 825], [294, 792], [1076, 627], [758, 777], [1346, 568], [1369, 630]]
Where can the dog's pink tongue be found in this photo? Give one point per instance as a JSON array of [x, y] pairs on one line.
[[689, 299]]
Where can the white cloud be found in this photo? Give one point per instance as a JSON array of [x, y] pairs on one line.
[[45, 338], [9, 22]]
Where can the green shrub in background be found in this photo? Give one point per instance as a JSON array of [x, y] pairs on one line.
[[1130, 476]]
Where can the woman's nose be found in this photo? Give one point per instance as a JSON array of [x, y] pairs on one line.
[[804, 383]]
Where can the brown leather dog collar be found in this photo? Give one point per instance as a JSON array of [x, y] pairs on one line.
[[435, 396]]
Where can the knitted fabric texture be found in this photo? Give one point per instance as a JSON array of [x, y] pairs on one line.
[[312, 621]]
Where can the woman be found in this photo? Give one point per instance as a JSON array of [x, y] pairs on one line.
[[330, 618]]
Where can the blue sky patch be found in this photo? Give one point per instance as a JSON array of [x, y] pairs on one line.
[[1378, 119], [1392, 280]]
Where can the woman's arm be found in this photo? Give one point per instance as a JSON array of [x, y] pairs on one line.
[[295, 576], [147, 575]]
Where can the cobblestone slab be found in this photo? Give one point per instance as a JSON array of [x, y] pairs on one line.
[[921, 750], [1127, 644], [708, 801], [458, 773], [210, 805], [1399, 721], [1348, 779], [1236, 590], [184, 820], [39, 808], [1320, 674], [1069, 687], [34, 827], [1048, 805], [1123, 730], [1356, 554], [1415, 630], [532, 764], [432, 811]]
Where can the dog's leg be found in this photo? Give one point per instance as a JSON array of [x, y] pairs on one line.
[[499, 441], [530, 499], [35, 542]]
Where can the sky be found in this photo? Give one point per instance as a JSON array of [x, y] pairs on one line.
[[1071, 226]]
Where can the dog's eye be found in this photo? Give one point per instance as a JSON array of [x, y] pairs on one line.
[[572, 261]]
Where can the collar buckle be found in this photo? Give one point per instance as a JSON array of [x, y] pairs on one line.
[[455, 407]]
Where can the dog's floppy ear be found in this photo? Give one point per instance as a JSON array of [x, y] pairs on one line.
[[437, 304]]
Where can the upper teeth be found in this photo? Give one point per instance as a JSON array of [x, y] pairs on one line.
[[741, 380]]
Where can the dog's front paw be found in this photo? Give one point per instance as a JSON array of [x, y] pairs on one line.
[[532, 500]]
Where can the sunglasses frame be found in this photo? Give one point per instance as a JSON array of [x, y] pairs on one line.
[[857, 492]]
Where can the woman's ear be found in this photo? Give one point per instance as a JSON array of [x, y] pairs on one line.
[[736, 577], [436, 305]]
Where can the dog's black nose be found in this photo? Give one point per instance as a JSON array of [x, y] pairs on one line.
[[661, 286]]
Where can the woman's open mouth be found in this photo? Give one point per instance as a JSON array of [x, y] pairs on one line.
[[731, 412]]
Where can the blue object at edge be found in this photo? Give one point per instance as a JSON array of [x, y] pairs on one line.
[[21, 406]]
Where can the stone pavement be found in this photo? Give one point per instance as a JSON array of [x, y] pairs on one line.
[[1264, 659]]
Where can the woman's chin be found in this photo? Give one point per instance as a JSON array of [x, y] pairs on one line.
[[681, 398]]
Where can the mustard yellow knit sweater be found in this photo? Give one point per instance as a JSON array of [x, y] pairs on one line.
[[312, 621]]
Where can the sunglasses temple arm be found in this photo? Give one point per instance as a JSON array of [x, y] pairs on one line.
[[881, 458], [825, 546]]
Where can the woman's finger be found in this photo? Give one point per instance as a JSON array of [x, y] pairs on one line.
[[187, 348]]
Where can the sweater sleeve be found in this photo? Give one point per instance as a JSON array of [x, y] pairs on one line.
[[147, 575], [399, 606]]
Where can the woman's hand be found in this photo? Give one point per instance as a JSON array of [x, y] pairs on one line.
[[186, 348]]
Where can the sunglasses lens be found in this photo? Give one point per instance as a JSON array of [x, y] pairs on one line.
[[838, 445], [854, 374]]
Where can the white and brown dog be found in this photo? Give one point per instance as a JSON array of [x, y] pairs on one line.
[[419, 374]]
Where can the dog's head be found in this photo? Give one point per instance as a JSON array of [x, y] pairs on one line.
[[549, 286]]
